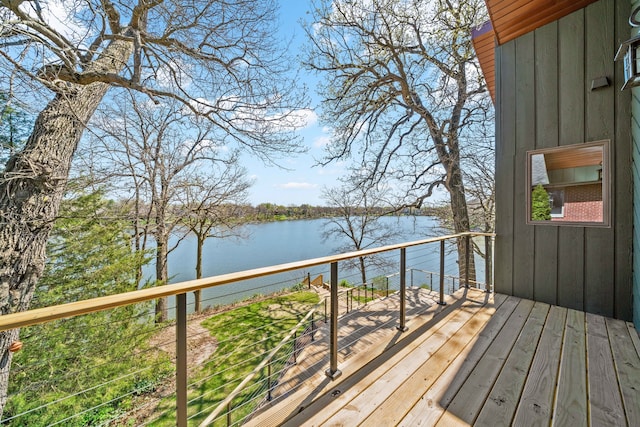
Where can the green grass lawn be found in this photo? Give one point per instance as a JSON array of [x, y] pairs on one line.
[[245, 336]]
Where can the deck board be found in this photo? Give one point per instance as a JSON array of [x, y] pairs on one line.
[[469, 400], [570, 406], [435, 400], [605, 403], [350, 389], [480, 361], [627, 366], [399, 403], [377, 392], [503, 399], [536, 403]]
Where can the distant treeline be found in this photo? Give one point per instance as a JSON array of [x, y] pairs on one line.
[[265, 212], [275, 212]]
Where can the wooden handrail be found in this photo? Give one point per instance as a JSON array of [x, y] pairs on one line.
[[62, 311]]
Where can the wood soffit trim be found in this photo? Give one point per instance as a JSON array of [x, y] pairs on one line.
[[484, 45], [513, 18]]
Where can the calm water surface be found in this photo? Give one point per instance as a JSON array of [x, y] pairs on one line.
[[281, 242]]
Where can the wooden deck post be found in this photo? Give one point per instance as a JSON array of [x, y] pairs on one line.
[[181, 360], [333, 371]]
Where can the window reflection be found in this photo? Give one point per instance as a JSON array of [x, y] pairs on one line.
[[571, 180]]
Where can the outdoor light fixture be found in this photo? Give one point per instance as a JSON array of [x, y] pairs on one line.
[[629, 51]]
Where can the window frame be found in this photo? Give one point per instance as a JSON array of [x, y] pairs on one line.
[[606, 185]]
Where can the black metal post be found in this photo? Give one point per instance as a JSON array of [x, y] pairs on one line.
[[333, 371], [402, 327], [269, 397], [295, 347], [346, 298], [441, 302], [181, 360], [325, 310], [466, 261], [488, 263]]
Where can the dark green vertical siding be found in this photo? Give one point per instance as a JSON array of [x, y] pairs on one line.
[[545, 100], [571, 96], [635, 149], [545, 277]]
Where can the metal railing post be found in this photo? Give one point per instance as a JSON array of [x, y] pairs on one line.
[[488, 263], [295, 347], [269, 397], [333, 371], [441, 302], [402, 327], [346, 298], [181, 360], [466, 260], [325, 310]]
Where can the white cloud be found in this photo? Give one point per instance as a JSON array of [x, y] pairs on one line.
[[174, 72], [293, 120], [322, 141], [298, 186], [60, 17], [257, 116]]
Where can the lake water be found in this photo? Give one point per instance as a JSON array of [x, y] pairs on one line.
[[282, 242]]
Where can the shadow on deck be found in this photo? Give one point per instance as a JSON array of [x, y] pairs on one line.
[[482, 359]]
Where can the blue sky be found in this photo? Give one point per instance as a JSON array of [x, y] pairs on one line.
[[302, 182]]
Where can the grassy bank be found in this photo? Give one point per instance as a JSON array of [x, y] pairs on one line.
[[244, 336]]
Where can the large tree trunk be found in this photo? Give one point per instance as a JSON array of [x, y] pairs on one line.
[[363, 272], [31, 189], [162, 272], [455, 186], [198, 296]]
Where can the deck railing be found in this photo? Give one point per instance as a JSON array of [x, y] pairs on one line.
[[181, 290]]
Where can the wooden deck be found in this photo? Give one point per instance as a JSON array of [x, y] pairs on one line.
[[481, 360]]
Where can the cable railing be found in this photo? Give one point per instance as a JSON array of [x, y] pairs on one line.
[[188, 375]]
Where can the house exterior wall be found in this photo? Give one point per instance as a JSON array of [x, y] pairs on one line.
[[635, 137], [583, 203], [544, 99]]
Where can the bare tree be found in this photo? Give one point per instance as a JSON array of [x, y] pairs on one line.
[[218, 58], [358, 221], [210, 207], [159, 153], [402, 88]]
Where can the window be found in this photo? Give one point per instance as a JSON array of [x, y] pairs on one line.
[[574, 179]]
